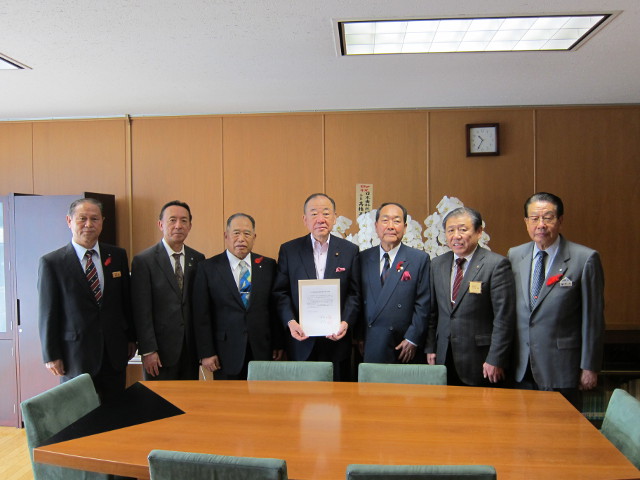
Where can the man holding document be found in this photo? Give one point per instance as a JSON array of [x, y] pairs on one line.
[[317, 291]]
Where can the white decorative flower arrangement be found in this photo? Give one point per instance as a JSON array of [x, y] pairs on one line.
[[434, 243], [342, 225], [367, 236]]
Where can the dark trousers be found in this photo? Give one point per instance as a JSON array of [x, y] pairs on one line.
[[324, 351], [186, 368], [242, 374]]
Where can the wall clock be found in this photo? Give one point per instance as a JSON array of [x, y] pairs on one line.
[[483, 139]]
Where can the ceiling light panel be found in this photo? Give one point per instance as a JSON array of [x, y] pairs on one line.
[[451, 35]]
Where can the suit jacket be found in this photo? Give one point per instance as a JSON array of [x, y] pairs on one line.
[[73, 327], [480, 325], [295, 262], [563, 334], [161, 312], [398, 310], [223, 325]]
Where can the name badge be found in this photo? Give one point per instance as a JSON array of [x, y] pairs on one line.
[[475, 287], [116, 274], [566, 282]]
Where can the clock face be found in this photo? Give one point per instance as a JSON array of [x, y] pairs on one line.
[[483, 140]]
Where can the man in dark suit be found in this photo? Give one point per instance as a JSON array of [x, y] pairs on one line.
[[161, 284], [319, 256], [85, 305], [395, 291], [472, 305], [560, 305], [234, 315]]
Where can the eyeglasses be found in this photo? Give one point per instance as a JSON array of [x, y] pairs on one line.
[[547, 220]]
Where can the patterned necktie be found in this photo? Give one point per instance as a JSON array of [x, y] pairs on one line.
[[538, 278], [178, 271], [92, 276], [385, 268], [245, 283], [458, 280]]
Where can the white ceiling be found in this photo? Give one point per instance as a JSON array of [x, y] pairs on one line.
[[93, 58]]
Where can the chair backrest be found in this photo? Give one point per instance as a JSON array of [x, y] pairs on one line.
[[401, 373], [169, 465], [420, 472], [309, 371], [621, 424], [50, 412]]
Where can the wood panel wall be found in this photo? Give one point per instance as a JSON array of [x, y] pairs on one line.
[[177, 159], [591, 157], [271, 165], [266, 165]]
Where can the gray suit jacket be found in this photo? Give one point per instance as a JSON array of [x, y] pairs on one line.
[[162, 313], [398, 310], [480, 325], [563, 334]]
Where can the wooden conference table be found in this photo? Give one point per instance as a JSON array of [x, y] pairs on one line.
[[321, 427]]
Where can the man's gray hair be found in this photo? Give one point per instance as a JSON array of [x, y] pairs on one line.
[[476, 218], [80, 201]]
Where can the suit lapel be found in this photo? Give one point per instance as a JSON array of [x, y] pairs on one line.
[[524, 267], [560, 265], [224, 271], [373, 272], [257, 278], [189, 266], [74, 268], [164, 263], [476, 264], [400, 265], [306, 257], [333, 256], [443, 276]]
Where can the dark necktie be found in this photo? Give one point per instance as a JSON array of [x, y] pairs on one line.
[[385, 268], [538, 278], [457, 281], [245, 283], [178, 271], [92, 276]]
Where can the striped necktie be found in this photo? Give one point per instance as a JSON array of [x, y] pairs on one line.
[[458, 280], [92, 276]]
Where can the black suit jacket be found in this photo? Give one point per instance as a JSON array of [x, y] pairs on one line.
[[73, 327], [222, 324], [161, 312], [295, 262]]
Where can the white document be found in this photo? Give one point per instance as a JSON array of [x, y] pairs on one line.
[[319, 306]]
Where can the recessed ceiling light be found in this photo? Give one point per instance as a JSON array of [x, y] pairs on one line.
[[456, 35], [8, 63]]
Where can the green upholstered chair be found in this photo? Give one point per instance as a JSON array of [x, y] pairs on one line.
[[401, 373], [50, 412], [621, 424], [309, 371], [169, 465], [420, 472]]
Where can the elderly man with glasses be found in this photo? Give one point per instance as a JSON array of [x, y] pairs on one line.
[[560, 305]]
